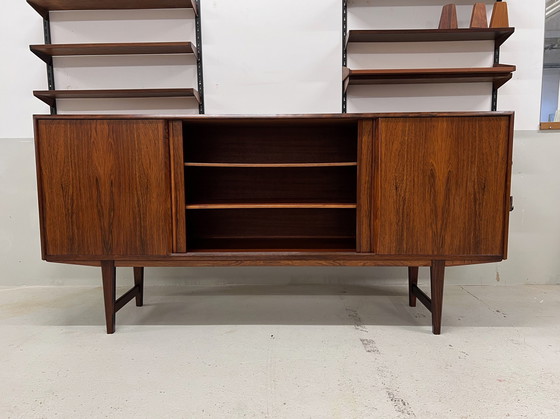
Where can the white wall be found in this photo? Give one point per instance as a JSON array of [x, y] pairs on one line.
[[20, 71], [273, 57]]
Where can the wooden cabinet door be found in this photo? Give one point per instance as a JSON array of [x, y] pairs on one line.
[[104, 188], [441, 185]]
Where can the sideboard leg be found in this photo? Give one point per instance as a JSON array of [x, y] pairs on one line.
[[412, 281], [113, 304], [437, 271], [108, 273], [139, 283]]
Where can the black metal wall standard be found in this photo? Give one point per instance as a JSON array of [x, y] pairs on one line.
[[50, 68], [494, 90], [344, 51], [199, 68]]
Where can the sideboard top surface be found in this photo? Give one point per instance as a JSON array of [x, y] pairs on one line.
[[308, 117]]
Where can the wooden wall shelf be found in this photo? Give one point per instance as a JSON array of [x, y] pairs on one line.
[[47, 52], [43, 7], [499, 35], [497, 75], [50, 96]]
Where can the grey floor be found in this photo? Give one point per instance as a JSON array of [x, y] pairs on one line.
[[299, 351]]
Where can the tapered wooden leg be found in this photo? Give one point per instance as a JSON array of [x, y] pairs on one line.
[[139, 282], [437, 271], [108, 273], [113, 304], [412, 280]]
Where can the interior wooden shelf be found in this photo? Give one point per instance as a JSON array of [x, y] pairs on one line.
[[43, 7], [334, 164], [499, 35], [50, 96], [271, 206], [267, 244], [498, 75], [47, 52]]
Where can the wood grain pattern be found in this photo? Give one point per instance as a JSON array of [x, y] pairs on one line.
[[442, 185], [499, 17], [105, 187], [478, 17], [313, 122], [417, 189], [40, 196], [309, 254], [377, 187], [364, 216], [284, 258], [178, 186], [448, 19]]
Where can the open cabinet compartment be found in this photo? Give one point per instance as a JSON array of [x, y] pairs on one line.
[[261, 141], [277, 229], [286, 186]]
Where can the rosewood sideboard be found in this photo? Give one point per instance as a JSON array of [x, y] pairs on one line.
[[422, 189]]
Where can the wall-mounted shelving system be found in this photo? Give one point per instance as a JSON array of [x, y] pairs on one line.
[[47, 51], [498, 74]]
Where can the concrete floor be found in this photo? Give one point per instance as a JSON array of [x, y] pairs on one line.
[[299, 351]]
